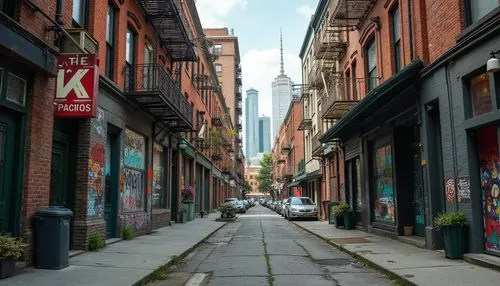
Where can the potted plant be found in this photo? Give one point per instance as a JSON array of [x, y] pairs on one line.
[[11, 248], [227, 210], [453, 226], [188, 201], [338, 214]]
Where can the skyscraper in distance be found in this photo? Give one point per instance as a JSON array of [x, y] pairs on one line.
[[264, 134], [281, 94], [252, 123]]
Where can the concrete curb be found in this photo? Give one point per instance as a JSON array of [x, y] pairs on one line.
[[147, 278], [371, 263]]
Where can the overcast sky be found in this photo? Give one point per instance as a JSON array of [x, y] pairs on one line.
[[257, 24]]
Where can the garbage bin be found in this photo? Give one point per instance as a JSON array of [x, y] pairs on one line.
[[52, 237]]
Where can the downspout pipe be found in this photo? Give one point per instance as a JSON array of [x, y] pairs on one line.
[[410, 30]]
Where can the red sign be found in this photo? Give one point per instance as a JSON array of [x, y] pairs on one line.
[[77, 86]]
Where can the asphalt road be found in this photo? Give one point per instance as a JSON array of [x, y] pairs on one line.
[[262, 248]]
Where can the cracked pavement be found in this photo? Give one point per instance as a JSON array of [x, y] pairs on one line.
[[262, 248]]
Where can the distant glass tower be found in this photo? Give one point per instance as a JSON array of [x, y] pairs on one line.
[[264, 134], [281, 94], [252, 123]]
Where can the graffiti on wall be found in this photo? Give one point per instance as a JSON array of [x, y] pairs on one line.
[[450, 190], [98, 123], [133, 190], [134, 150], [137, 221], [463, 190], [95, 194], [384, 190], [157, 175], [490, 186]]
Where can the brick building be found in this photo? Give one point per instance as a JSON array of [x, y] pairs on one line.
[[157, 95], [407, 114], [288, 152]]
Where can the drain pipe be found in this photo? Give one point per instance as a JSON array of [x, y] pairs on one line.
[[410, 30]]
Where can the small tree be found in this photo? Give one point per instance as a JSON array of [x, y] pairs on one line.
[[265, 176], [246, 188]]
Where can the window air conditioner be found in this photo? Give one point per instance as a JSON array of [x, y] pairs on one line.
[[83, 39]]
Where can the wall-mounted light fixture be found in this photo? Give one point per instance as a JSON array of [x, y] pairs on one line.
[[182, 145], [493, 64]]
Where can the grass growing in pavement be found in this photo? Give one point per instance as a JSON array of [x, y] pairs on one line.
[[176, 260], [159, 274], [270, 278]]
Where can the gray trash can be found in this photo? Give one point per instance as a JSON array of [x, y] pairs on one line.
[[52, 237]]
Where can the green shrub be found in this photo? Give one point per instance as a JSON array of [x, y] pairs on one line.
[[340, 209], [96, 242], [227, 210], [11, 247], [127, 233], [450, 219]]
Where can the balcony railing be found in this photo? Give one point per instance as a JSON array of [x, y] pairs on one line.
[[239, 109], [155, 91], [306, 124], [321, 69], [317, 150], [350, 13], [342, 95], [329, 45]]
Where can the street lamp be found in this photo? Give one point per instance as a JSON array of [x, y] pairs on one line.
[[182, 145], [493, 64]]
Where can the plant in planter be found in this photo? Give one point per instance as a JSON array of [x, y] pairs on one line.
[[11, 248], [453, 226], [227, 210], [338, 213], [188, 193]]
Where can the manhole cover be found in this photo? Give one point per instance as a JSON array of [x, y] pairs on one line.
[[334, 261]]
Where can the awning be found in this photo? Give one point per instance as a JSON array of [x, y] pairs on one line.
[[312, 176], [294, 184], [375, 99]]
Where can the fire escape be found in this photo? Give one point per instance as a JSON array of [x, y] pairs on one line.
[[337, 93], [150, 85]]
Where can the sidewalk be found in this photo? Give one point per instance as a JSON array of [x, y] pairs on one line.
[[415, 265], [125, 262]]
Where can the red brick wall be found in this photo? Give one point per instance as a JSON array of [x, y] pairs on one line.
[[38, 154], [444, 23]]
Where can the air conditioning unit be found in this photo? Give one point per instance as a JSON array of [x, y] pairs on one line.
[[83, 39]]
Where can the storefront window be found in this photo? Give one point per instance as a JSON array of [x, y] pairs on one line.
[[159, 193], [487, 145], [384, 190], [134, 171], [480, 94]]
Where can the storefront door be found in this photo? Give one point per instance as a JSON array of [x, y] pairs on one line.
[[383, 185], [7, 167], [419, 194], [487, 146], [112, 170]]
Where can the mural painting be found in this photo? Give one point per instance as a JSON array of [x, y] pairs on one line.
[[450, 190], [135, 150], [157, 175], [133, 190], [95, 195], [490, 186], [384, 189]]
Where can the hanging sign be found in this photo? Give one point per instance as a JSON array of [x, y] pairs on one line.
[[76, 86]]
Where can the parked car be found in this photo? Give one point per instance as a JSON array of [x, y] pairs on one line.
[[227, 200], [240, 207], [300, 207], [277, 209], [283, 205], [246, 204]]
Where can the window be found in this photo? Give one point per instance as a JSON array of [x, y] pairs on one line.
[[7, 7], [371, 64], [477, 9], [217, 49], [16, 89], [354, 81], [218, 68], [396, 38], [480, 94], [80, 13], [348, 84], [110, 42], [130, 58]]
